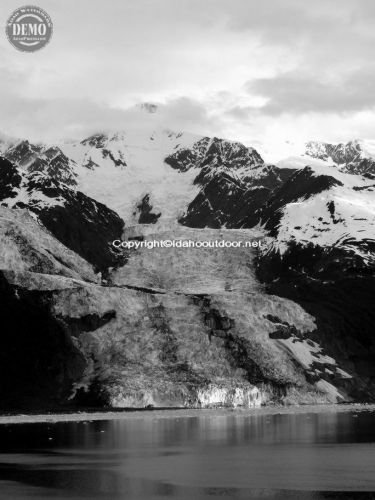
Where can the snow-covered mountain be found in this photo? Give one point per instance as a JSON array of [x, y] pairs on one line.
[[326, 210], [315, 210], [118, 169], [168, 169], [149, 175], [355, 157], [121, 169], [41, 158]]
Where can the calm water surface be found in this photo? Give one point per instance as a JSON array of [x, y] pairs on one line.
[[210, 456]]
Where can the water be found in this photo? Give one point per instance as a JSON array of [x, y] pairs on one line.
[[210, 456]]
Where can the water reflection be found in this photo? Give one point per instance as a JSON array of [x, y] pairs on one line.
[[304, 456]]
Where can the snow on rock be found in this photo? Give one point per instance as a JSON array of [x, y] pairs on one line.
[[319, 206], [339, 217], [234, 183], [311, 356], [81, 223], [321, 167], [49, 160], [354, 157], [121, 169], [172, 171]]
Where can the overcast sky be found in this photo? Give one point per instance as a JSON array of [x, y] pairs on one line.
[[269, 71]]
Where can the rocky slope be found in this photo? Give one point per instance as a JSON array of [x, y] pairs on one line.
[[152, 335], [81, 223]]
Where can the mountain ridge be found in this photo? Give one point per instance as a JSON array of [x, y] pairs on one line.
[[316, 219]]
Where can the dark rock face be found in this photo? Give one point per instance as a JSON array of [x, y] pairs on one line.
[[79, 222], [146, 216], [91, 238], [345, 316], [10, 179], [214, 152], [232, 155], [234, 180], [283, 329], [42, 359], [186, 158], [39, 362], [212, 206], [224, 200]]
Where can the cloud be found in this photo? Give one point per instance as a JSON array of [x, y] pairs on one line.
[[300, 93], [54, 119], [217, 67], [239, 112], [322, 25]]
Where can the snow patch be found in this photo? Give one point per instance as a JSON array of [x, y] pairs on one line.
[[122, 187], [340, 217]]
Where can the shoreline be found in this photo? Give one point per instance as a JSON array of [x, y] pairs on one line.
[[130, 414]]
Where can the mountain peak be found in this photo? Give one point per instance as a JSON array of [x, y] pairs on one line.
[[148, 107]]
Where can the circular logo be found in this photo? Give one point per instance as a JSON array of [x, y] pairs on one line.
[[29, 28]]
